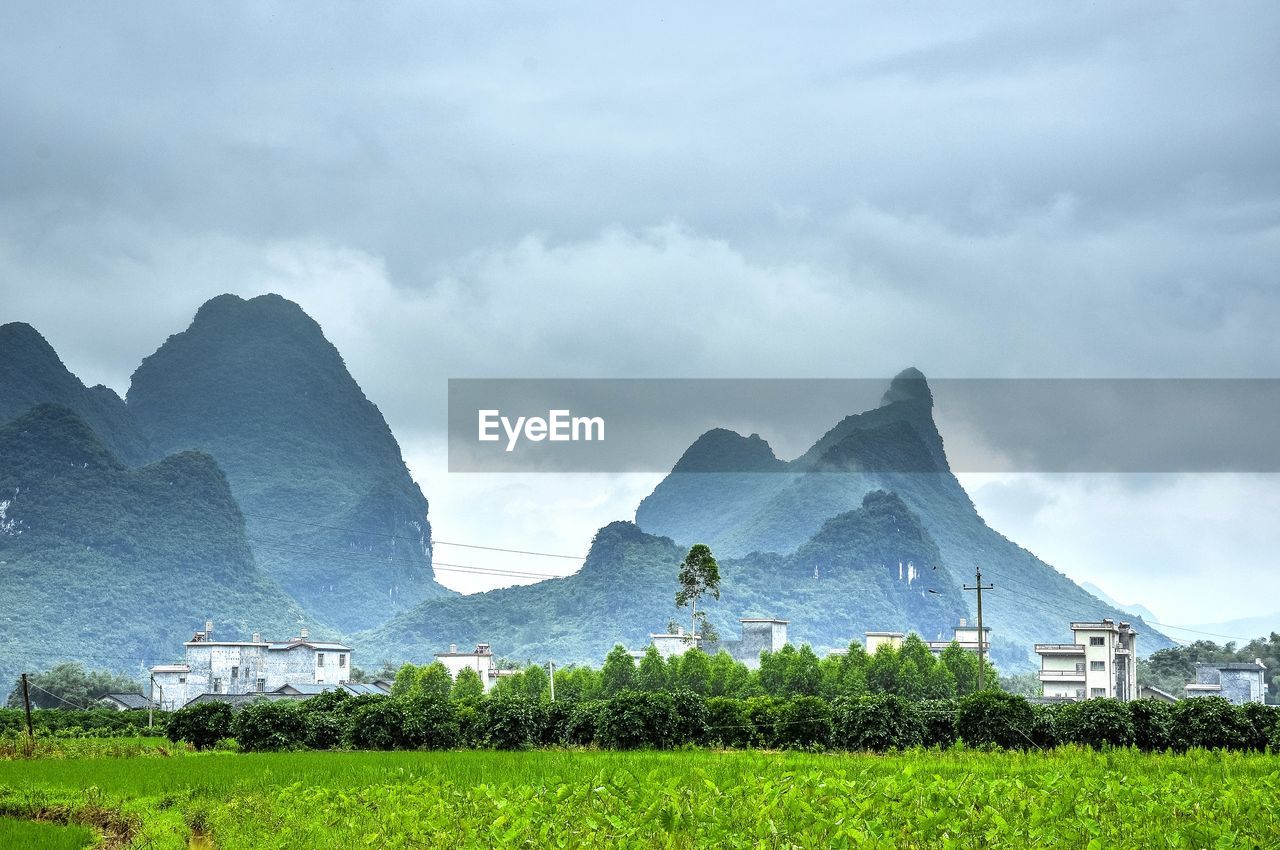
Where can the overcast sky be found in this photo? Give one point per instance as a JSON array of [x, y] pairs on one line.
[[654, 190]]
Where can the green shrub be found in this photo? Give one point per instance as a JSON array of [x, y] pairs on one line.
[[995, 717], [513, 721], [939, 718], [633, 720], [765, 715], [1260, 723], [1208, 722], [1044, 725], [691, 717], [879, 723], [1152, 724], [377, 725], [430, 721], [1097, 723], [806, 723], [323, 731], [727, 723], [555, 727], [583, 721], [472, 721], [268, 726], [201, 725]]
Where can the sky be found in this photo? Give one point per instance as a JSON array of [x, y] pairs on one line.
[[681, 190]]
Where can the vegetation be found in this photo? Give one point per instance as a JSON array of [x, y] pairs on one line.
[[699, 576], [574, 799], [69, 685], [1170, 669], [97, 722]]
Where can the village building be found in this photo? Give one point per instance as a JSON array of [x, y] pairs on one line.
[[1239, 682], [480, 659], [255, 666], [1101, 662]]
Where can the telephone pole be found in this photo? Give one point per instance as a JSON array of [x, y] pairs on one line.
[[982, 635], [26, 704], [551, 665]]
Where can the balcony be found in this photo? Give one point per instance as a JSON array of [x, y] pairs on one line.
[[1060, 649], [1062, 675]]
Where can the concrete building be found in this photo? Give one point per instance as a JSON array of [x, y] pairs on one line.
[[759, 634], [1152, 692], [1239, 682], [247, 667], [1102, 662], [876, 639], [479, 659], [967, 636], [124, 702]]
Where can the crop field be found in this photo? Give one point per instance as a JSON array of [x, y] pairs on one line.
[[165, 798]]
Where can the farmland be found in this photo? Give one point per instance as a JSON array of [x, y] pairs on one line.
[[162, 797]]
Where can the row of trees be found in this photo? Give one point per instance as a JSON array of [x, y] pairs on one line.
[[911, 672], [664, 719], [1170, 669]]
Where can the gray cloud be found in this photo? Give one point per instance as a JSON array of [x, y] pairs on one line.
[[479, 190]]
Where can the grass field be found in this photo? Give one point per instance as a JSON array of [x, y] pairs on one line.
[[570, 799]]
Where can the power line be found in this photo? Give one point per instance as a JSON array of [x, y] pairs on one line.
[[417, 540], [444, 565]]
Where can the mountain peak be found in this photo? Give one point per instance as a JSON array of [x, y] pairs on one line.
[[20, 341], [722, 450], [907, 385]]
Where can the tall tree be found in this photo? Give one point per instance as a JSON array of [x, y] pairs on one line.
[[699, 575], [694, 673], [406, 680], [618, 672], [69, 685], [802, 677], [434, 681], [651, 673], [468, 687]]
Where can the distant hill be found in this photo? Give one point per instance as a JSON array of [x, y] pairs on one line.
[[117, 566], [870, 567], [729, 492], [331, 511], [1135, 609], [31, 373]]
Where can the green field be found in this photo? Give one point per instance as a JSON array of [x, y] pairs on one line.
[[698, 798]]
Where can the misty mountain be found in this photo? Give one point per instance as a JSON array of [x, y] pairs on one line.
[[31, 373], [870, 567], [115, 566], [732, 493], [331, 511], [1135, 609]]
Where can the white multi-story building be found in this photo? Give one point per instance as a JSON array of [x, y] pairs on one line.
[[965, 634], [1102, 662], [244, 667], [480, 660]]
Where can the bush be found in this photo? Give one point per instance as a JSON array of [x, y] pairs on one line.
[[939, 718], [691, 717], [880, 722], [1260, 724], [323, 731], [268, 726], [727, 723], [995, 717], [555, 727], [636, 720], [430, 721], [472, 721], [1044, 725], [1208, 722], [1097, 723], [765, 716], [513, 721], [1152, 724], [806, 723], [377, 725], [201, 725], [581, 729]]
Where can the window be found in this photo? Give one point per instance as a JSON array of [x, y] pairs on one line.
[[235, 672], [342, 660], [182, 680], [1079, 693], [1080, 667], [1097, 692], [217, 686], [262, 685], [1097, 641], [1097, 665], [319, 659]]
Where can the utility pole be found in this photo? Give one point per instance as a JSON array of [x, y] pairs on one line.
[[552, 666], [151, 703], [982, 635], [26, 704]]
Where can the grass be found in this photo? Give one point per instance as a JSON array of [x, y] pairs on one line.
[[46, 836], [558, 798]]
